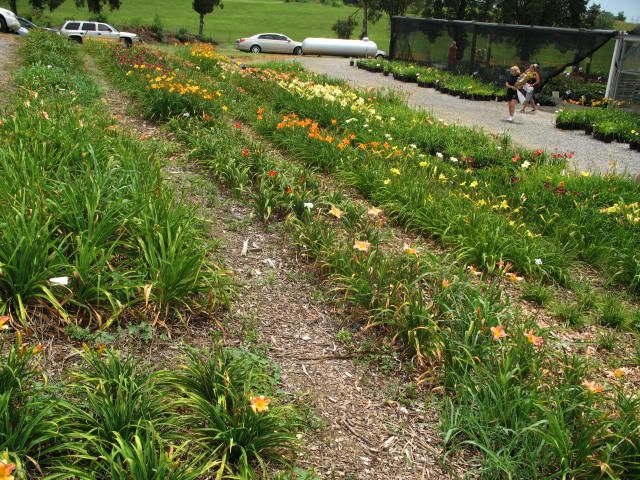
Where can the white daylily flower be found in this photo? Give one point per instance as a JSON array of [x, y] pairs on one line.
[[59, 281]]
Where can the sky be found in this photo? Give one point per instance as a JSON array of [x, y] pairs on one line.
[[631, 8]]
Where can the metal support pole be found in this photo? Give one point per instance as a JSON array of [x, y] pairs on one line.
[[472, 60], [612, 82]]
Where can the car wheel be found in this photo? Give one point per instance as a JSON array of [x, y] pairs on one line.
[[255, 49], [76, 39], [127, 42], [379, 57], [3, 25], [297, 51]]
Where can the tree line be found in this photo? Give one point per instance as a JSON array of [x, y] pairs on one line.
[[96, 7], [557, 13]]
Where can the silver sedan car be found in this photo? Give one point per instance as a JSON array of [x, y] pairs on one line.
[[269, 43]]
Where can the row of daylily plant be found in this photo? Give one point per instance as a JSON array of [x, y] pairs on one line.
[[478, 194], [90, 235], [606, 124], [86, 226], [526, 408]]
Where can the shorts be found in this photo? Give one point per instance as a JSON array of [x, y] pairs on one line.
[[511, 94], [530, 95]]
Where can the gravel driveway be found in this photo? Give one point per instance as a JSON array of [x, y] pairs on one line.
[[530, 130]]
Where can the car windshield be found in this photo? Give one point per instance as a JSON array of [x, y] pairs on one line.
[[25, 23]]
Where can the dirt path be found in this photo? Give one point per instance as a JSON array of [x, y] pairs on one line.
[[367, 424], [8, 64], [530, 130]]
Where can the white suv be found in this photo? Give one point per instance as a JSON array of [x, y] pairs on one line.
[[77, 30], [8, 21]]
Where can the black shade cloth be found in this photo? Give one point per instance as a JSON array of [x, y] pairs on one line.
[[489, 49]]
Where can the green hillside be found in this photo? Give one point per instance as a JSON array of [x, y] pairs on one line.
[[238, 18]]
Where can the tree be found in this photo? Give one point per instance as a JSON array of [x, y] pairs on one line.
[[96, 6], [591, 15], [365, 19], [621, 17], [205, 7], [565, 13], [605, 21], [393, 7], [40, 5], [370, 13], [344, 28]]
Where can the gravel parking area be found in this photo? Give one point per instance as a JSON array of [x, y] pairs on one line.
[[533, 130]]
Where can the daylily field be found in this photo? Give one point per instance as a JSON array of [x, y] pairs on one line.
[[505, 283]]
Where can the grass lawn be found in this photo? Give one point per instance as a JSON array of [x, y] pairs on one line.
[[238, 18]]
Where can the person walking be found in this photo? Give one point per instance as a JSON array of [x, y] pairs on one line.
[[533, 83], [512, 90], [452, 58]]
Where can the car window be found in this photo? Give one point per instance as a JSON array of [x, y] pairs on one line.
[[90, 27], [73, 26], [281, 37], [266, 37], [104, 28]]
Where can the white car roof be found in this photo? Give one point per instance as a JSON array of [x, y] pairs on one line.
[[86, 21]]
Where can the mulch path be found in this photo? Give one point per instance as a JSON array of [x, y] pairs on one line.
[[364, 428]]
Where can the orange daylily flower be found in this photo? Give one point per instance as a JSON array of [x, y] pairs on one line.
[[260, 404], [618, 373], [445, 283], [534, 339], [409, 250], [6, 468], [4, 322], [513, 278], [593, 387], [498, 332], [5, 471], [474, 271]]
